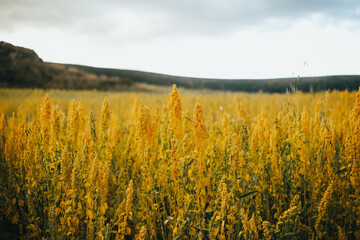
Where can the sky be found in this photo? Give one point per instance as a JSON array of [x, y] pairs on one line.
[[232, 39]]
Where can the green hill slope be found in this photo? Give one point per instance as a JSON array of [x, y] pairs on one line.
[[23, 68]]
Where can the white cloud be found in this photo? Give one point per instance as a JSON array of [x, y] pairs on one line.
[[220, 39]]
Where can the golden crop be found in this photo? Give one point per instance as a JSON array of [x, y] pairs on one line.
[[177, 166]]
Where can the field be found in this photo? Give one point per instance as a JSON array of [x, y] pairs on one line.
[[181, 165]]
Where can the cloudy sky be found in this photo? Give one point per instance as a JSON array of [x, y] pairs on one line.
[[199, 38]]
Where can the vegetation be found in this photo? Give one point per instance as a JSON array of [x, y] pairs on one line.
[[145, 166]]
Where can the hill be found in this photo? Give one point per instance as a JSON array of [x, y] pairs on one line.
[[23, 68]]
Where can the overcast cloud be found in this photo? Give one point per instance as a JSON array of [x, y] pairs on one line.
[[173, 17], [143, 28]]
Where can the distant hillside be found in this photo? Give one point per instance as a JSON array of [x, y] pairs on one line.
[[22, 68], [348, 82]]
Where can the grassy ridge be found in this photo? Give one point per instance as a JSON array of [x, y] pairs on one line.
[[279, 85], [23, 68]]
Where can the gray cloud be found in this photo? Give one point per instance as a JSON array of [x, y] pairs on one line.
[[131, 20]]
